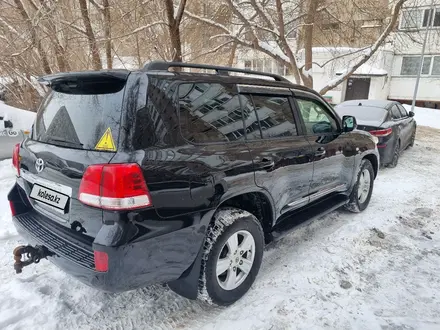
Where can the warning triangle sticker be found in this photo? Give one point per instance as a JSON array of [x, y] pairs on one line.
[[106, 142]]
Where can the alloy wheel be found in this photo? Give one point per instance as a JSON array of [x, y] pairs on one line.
[[364, 185], [235, 260]]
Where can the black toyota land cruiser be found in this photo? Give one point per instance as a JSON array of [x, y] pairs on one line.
[[131, 178]]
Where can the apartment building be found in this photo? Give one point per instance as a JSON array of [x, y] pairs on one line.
[[344, 23], [390, 74]]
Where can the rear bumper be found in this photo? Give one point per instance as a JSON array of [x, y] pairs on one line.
[[138, 264], [386, 154]]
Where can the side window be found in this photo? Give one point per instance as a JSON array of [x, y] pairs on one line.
[[156, 121], [403, 112], [209, 113], [316, 117], [250, 118], [274, 115], [395, 113]]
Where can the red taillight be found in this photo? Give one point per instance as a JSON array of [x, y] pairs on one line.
[[114, 187], [101, 261], [16, 158], [382, 132], [12, 207]]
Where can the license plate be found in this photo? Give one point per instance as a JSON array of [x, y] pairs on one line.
[[49, 197]]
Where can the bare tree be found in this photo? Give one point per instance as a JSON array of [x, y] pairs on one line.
[[363, 59], [254, 27], [35, 40], [310, 15], [107, 33], [94, 49], [104, 9], [174, 20], [46, 36]]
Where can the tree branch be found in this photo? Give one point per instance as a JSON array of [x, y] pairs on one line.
[[341, 56], [180, 11], [282, 37], [74, 27], [208, 21], [266, 18], [245, 22], [97, 5], [212, 50], [394, 16]]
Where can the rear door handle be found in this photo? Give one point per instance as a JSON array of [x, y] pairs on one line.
[[320, 152], [266, 164]]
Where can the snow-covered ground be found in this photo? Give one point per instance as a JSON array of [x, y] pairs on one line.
[[425, 116], [387, 258]]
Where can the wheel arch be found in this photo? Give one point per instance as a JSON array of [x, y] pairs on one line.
[[188, 284], [257, 202], [374, 160]]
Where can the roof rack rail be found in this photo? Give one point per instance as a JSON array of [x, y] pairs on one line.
[[221, 70]]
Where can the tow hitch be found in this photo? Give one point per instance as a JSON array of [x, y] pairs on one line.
[[33, 255]]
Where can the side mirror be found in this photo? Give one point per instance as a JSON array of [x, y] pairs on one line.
[[348, 124], [411, 114]]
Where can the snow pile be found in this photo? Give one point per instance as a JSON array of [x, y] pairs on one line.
[[426, 116], [366, 69], [21, 119], [274, 49], [308, 73], [374, 270], [332, 50]]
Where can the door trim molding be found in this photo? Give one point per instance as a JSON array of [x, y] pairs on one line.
[[317, 195], [299, 202]]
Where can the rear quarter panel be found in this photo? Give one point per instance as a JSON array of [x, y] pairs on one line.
[[364, 146]]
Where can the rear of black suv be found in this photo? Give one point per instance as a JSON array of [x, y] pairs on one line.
[[82, 192], [135, 178]]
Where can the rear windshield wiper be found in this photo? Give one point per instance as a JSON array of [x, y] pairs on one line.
[[65, 141]]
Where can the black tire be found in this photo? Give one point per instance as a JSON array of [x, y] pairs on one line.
[[413, 138], [355, 204], [396, 156], [226, 223]]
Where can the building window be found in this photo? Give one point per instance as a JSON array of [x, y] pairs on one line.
[[426, 65], [428, 15], [410, 19], [279, 69], [265, 65], [268, 65], [420, 18], [258, 65], [436, 66], [411, 65]]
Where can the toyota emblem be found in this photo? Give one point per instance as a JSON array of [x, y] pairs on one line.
[[39, 165]]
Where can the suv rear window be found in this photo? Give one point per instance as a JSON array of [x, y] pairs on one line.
[[77, 118]]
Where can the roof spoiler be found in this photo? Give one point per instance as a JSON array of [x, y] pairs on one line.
[[49, 80]]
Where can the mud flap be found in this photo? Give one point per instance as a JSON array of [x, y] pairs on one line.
[[188, 284]]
